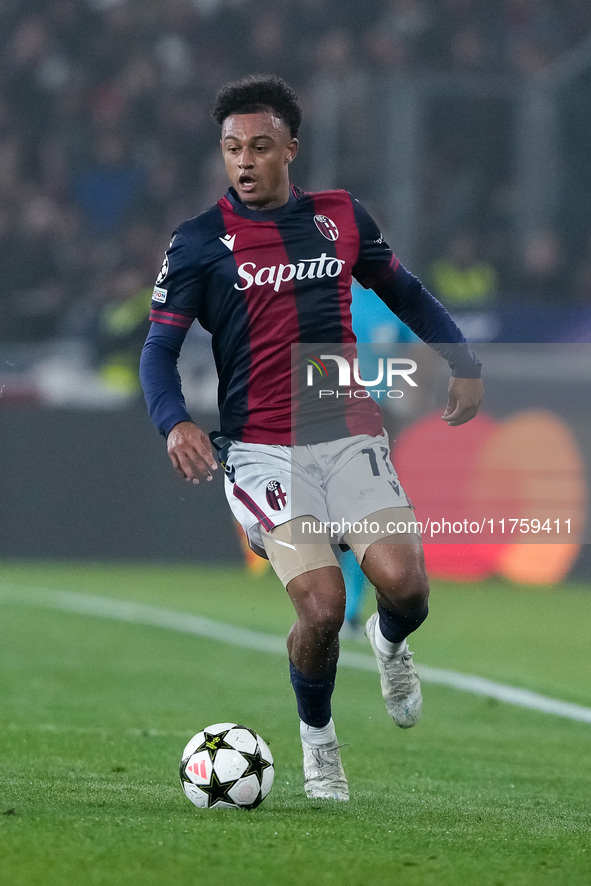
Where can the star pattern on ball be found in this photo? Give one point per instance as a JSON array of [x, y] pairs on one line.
[[256, 765], [217, 791], [212, 742], [233, 775]]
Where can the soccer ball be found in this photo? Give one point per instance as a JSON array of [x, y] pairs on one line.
[[226, 766]]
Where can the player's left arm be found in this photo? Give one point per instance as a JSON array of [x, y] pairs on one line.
[[379, 269], [464, 396]]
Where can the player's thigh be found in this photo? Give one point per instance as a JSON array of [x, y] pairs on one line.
[[384, 527], [310, 572], [298, 547]]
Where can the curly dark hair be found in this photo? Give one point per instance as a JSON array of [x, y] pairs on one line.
[[259, 92]]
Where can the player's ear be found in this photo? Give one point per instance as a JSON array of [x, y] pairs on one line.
[[291, 150]]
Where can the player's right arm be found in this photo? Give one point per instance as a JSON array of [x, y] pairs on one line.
[[173, 307]]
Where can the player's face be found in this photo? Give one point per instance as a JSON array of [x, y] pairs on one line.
[[257, 150]]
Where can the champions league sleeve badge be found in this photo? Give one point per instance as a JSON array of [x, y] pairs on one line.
[[163, 271], [276, 495]]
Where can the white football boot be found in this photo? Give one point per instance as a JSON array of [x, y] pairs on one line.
[[324, 776], [401, 687]]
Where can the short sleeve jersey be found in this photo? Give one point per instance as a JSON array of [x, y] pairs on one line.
[[260, 281]]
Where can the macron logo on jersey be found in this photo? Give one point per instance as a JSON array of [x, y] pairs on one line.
[[229, 241], [275, 275]]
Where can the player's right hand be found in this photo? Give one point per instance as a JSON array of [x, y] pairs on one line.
[[190, 452]]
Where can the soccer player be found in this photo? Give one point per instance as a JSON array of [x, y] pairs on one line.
[[268, 266]]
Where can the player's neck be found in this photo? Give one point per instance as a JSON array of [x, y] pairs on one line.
[[277, 203]]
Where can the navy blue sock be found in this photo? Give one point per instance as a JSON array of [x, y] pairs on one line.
[[313, 696], [396, 625]]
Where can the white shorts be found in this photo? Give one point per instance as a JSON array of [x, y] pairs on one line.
[[340, 482]]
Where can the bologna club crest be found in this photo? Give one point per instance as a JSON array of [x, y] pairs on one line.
[[276, 495], [327, 227]]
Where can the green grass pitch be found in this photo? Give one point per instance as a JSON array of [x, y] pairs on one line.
[[94, 714]]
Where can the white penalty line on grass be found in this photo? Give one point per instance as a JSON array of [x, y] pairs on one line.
[[154, 616]]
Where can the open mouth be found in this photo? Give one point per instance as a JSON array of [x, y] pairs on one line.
[[246, 182]]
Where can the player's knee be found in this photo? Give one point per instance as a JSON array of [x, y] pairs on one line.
[[319, 600], [403, 581], [413, 592], [324, 620], [322, 616]]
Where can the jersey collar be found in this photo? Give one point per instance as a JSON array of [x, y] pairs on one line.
[[261, 215]]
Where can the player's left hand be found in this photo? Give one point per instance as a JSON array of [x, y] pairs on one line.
[[464, 398]]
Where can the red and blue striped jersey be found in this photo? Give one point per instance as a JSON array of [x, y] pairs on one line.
[[260, 281]]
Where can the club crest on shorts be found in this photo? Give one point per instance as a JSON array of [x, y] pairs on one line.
[[327, 227], [276, 495]]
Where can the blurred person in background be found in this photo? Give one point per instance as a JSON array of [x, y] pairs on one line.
[[120, 330], [467, 284], [543, 272], [107, 187], [35, 290], [462, 277]]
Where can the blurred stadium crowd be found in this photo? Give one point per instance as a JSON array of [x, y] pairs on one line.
[[106, 140]]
